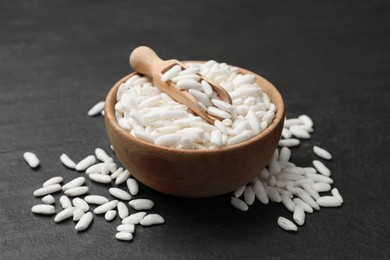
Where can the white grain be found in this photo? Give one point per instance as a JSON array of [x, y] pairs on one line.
[[31, 159], [321, 186], [322, 153], [119, 193], [299, 132], [328, 201], [306, 198], [189, 71], [81, 204], [321, 168], [216, 138], [286, 133], [221, 127], [84, 222], [272, 194], [115, 174], [244, 79], [207, 89], [73, 192], [271, 180], [285, 154], [299, 215], [43, 209], [96, 109], [186, 84], [48, 199], [51, 181], [292, 121], [86, 162], [96, 199], [110, 215], [112, 167], [287, 224], [65, 202], [240, 138], [77, 182], [260, 192], [287, 202], [149, 102], [335, 192], [152, 219], [172, 72], [77, 214], [289, 142], [306, 207], [47, 190], [67, 161], [106, 207], [123, 176], [223, 105], [319, 178], [96, 168], [101, 154], [289, 176], [254, 122], [238, 204], [201, 97], [239, 191], [310, 190], [64, 214], [134, 218], [123, 211], [249, 195], [141, 204], [100, 178], [306, 120], [214, 111], [167, 140], [105, 168], [187, 76], [294, 169], [132, 185], [264, 174], [129, 228], [125, 236], [300, 182]]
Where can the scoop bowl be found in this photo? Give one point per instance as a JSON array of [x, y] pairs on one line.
[[195, 173]]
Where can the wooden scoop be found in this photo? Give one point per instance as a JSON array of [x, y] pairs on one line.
[[145, 61]]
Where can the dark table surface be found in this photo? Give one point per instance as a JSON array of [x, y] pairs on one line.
[[329, 59]]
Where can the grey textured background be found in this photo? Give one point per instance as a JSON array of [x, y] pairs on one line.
[[329, 59]]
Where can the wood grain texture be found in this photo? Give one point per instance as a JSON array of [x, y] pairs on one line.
[[195, 173]]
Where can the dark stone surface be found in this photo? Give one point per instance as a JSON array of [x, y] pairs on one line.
[[329, 59]]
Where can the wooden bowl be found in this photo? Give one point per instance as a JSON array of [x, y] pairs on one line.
[[195, 173]]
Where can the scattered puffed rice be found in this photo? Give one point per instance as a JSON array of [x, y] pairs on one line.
[[43, 209], [31, 159], [110, 215], [48, 199], [96, 109], [84, 222], [287, 224], [125, 236], [67, 161], [152, 219]]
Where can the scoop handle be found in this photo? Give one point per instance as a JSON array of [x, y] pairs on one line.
[[145, 61]]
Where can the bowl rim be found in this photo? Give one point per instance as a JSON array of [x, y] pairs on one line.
[[109, 113]]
